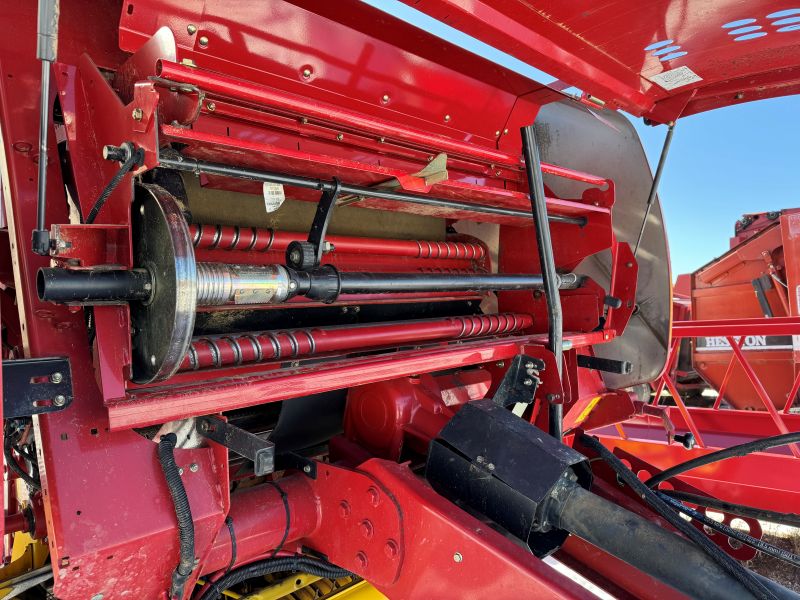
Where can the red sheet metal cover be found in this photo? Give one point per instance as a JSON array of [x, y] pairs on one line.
[[661, 59]]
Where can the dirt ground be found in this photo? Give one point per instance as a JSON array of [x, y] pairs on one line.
[[784, 537]]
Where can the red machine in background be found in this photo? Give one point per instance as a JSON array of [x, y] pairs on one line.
[[298, 297]]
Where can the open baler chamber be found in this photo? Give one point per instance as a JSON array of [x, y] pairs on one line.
[[296, 261]]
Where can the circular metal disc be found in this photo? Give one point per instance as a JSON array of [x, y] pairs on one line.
[[164, 324]]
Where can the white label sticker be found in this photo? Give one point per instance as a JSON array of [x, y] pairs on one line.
[[273, 196], [669, 80]]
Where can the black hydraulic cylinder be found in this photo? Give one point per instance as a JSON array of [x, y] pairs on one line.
[[67, 286], [654, 550], [326, 283]]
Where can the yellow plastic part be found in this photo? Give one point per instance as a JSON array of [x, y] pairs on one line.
[[360, 591], [27, 554]]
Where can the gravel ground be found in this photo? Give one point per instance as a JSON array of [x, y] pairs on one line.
[[784, 537]]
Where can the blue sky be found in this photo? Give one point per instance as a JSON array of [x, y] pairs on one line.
[[722, 163]]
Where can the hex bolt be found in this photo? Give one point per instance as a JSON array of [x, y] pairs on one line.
[[391, 548], [500, 363], [340, 136], [307, 469], [194, 467], [295, 256], [385, 98], [56, 377], [490, 466], [528, 382], [191, 29], [307, 73], [529, 365], [292, 285], [553, 397], [367, 528], [137, 114], [60, 400], [203, 41], [447, 118], [457, 557], [505, 131], [497, 133], [211, 106]]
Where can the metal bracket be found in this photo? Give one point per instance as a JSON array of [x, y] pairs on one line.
[[292, 460], [243, 443], [33, 386], [307, 255], [520, 381], [608, 365]]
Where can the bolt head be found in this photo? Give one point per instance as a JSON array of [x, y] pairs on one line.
[[60, 400], [153, 360], [367, 529], [457, 557], [137, 114], [340, 136], [500, 363], [307, 73], [385, 98], [194, 467], [211, 106], [292, 285], [180, 470], [361, 560], [307, 469], [295, 256], [447, 118], [391, 548], [56, 377], [497, 133], [529, 365], [528, 382], [344, 509], [203, 41], [191, 29], [141, 210]]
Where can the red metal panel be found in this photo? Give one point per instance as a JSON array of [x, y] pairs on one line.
[[608, 50]]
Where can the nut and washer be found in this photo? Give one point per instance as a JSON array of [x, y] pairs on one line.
[[56, 377], [60, 400]]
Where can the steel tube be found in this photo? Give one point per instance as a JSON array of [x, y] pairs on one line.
[[234, 238], [192, 165], [248, 348], [378, 283], [547, 264], [654, 550], [260, 521], [92, 287]]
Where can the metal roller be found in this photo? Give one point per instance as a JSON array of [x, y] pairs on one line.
[[167, 285]]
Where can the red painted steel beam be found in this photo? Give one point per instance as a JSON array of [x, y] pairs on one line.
[[158, 405], [762, 393], [254, 94], [256, 347], [226, 237], [736, 327]]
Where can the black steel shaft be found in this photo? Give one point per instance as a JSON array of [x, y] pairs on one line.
[[192, 165], [92, 287], [547, 264], [652, 549]]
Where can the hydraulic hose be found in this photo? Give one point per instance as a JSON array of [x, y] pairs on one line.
[[738, 450], [274, 565], [741, 510], [747, 581], [166, 456]]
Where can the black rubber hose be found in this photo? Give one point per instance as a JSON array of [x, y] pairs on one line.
[[302, 564], [740, 510], [130, 162], [739, 450], [744, 538], [8, 446], [745, 577], [166, 456]]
